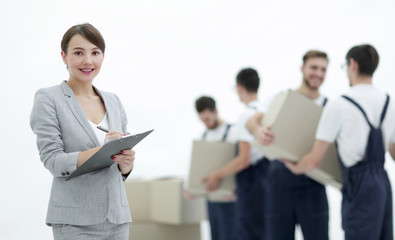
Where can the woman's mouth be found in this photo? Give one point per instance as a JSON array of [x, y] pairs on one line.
[[87, 70]]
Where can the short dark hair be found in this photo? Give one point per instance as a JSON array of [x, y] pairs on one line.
[[249, 79], [314, 54], [204, 103], [366, 56], [88, 31]]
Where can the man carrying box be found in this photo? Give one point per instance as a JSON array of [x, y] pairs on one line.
[[362, 123], [249, 165], [221, 214], [295, 199]]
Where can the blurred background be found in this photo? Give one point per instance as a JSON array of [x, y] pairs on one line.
[[161, 56]]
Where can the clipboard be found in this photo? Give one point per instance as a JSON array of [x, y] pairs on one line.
[[102, 158]]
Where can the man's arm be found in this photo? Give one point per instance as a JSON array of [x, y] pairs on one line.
[[311, 160], [239, 163], [264, 135], [392, 150], [254, 123]]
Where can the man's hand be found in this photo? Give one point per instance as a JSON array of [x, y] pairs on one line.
[[292, 166], [212, 181], [264, 135]]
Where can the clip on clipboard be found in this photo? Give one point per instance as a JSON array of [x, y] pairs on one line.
[[102, 158]]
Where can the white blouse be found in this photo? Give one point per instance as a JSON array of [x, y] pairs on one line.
[[101, 135]]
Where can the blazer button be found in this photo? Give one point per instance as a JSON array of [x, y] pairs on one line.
[[67, 173], [63, 174]]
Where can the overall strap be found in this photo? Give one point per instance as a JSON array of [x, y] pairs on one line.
[[383, 113], [226, 132], [325, 101], [384, 110], [360, 108], [204, 135]]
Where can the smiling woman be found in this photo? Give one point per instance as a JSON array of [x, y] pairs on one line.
[[64, 118], [83, 52]]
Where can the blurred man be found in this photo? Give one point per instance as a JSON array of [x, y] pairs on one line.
[[295, 199], [221, 214], [362, 123], [249, 165]]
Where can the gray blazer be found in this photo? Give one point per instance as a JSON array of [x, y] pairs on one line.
[[63, 131]]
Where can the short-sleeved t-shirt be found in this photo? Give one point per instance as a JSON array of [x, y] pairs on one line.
[[343, 122], [217, 134], [243, 134]]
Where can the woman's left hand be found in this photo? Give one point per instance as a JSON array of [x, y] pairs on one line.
[[125, 160]]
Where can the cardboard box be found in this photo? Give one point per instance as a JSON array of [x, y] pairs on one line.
[[162, 200], [138, 192], [294, 118], [329, 171], [157, 231], [206, 158], [168, 204]]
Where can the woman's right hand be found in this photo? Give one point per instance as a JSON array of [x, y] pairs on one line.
[[114, 135]]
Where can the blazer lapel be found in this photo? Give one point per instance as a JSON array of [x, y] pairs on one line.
[[78, 113], [111, 114]]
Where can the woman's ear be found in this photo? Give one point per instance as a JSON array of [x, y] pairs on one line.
[[64, 57]]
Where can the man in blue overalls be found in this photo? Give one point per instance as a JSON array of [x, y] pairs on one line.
[[295, 199], [249, 165], [221, 214], [362, 123]]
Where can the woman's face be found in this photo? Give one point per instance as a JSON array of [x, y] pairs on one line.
[[83, 59]]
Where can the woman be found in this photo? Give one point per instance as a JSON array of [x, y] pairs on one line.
[[65, 119]]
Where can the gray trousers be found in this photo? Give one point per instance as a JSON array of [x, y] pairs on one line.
[[102, 231]]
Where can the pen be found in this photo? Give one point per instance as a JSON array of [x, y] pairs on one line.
[[106, 130], [103, 129]]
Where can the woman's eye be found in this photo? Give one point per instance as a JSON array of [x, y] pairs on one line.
[[78, 53], [96, 53]]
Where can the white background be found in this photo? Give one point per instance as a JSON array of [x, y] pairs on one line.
[[160, 56]]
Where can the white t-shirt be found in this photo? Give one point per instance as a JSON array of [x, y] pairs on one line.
[[243, 134], [217, 134], [101, 136], [343, 122]]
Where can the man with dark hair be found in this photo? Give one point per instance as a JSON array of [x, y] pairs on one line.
[[362, 123], [249, 79], [249, 165], [221, 214], [205, 103], [295, 199]]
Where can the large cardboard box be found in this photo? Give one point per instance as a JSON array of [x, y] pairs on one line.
[[206, 158], [168, 204], [138, 192], [157, 231], [294, 118], [162, 200]]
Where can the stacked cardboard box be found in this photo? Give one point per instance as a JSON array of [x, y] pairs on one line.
[[294, 119], [157, 231], [159, 210], [206, 158]]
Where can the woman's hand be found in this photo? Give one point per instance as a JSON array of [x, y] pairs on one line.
[[126, 158], [114, 135]]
